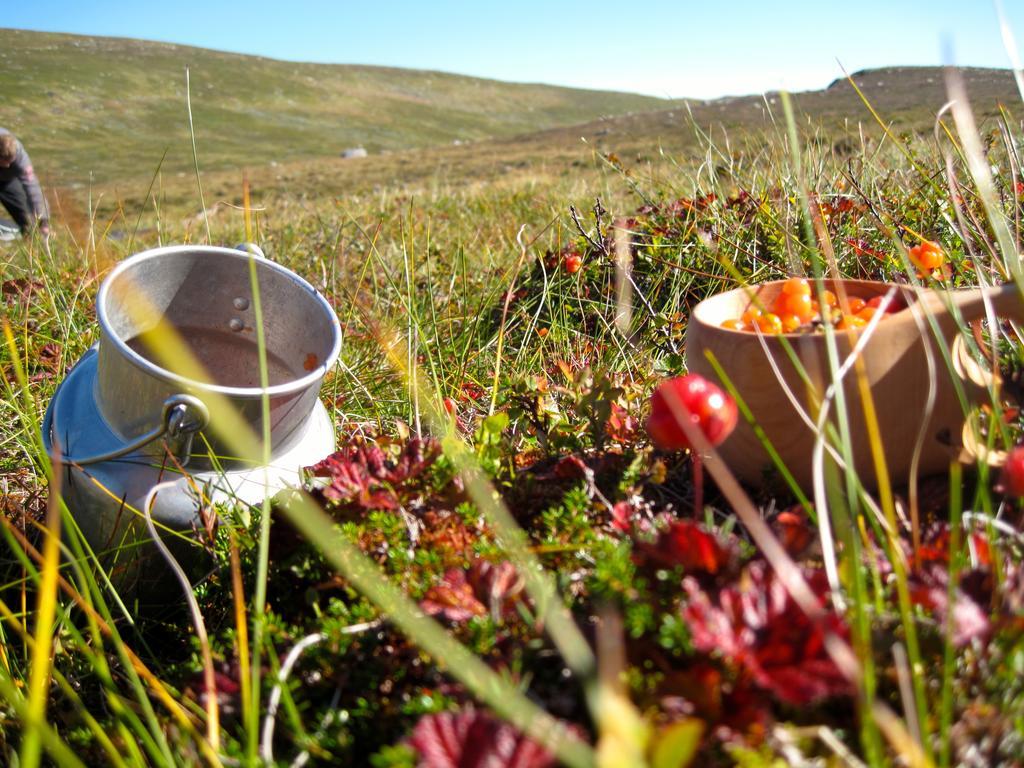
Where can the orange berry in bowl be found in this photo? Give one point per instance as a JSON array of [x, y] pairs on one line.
[[866, 313], [855, 304], [889, 304], [799, 304], [734, 325], [790, 323], [850, 321], [797, 286], [769, 323]]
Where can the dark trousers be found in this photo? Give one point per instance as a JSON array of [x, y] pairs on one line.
[[15, 200]]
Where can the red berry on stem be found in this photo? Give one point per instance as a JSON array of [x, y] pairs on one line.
[[709, 408]]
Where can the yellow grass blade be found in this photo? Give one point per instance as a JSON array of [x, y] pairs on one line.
[[42, 642]]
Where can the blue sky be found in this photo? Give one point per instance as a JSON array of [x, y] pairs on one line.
[[683, 48]]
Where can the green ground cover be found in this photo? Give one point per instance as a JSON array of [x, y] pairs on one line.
[[480, 373]]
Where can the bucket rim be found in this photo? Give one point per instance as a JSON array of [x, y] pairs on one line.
[[310, 379]]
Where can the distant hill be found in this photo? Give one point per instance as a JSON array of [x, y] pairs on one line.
[[906, 99], [104, 110], [110, 107], [652, 143]]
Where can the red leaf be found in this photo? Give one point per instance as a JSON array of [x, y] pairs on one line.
[[46, 361], [929, 586], [484, 587], [19, 289], [453, 598], [621, 426], [740, 197], [363, 477], [730, 707], [622, 516], [470, 390], [969, 621], [863, 248], [497, 586], [226, 685], [757, 626], [571, 467], [687, 544], [793, 530], [934, 549], [472, 739]]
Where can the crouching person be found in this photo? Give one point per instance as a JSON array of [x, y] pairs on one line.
[[20, 192]]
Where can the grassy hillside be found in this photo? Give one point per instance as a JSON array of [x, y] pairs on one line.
[[907, 99], [649, 144], [103, 111], [106, 110], [111, 107]]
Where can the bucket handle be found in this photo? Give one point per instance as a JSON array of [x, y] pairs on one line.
[[183, 416]]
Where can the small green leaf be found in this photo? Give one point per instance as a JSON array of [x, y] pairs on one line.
[[670, 365], [676, 745], [495, 423]]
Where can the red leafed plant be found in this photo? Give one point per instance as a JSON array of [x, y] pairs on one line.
[[453, 598], [363, 477], [966, 618], [498, 586], [730, 707], [622, 516], [621, 426], [935, 548], [968, 615], [483, 587], [687, 544], [757, 626], [474, 739]]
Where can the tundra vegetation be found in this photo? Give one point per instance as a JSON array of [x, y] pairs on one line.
[[502, 564]]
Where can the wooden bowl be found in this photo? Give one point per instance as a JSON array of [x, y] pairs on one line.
[[895, 362]]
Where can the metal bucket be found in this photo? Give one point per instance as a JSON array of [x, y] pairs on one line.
[[128, 417]]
